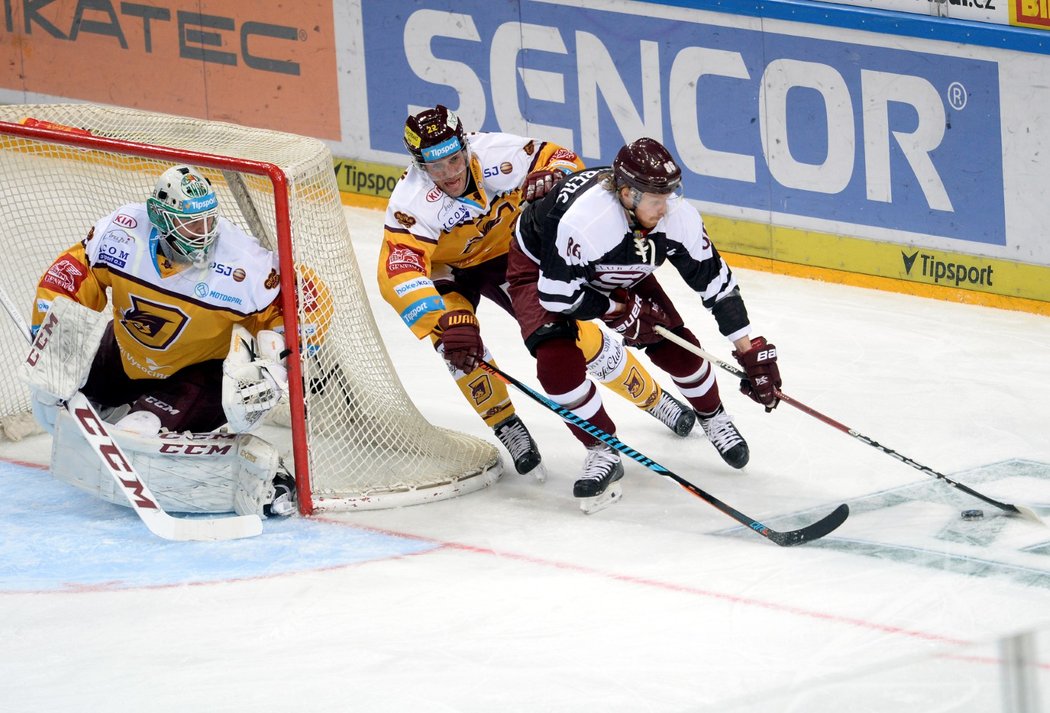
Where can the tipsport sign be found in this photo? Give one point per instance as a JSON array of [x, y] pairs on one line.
[[834, 133]]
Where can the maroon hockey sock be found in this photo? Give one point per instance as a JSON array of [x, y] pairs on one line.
[[561, 369], [681, 365]]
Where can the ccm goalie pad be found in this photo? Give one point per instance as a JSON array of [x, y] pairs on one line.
[[187, 472]]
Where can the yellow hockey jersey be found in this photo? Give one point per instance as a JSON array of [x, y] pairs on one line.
[[166, 316], [426, 231]]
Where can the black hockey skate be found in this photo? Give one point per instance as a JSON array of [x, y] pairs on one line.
[[674, 414], [725, 438], [597, 486], [523, 450]]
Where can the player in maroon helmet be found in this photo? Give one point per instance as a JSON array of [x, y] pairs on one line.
[[588, 250]]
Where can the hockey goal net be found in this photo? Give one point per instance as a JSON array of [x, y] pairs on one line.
[[354, 438]]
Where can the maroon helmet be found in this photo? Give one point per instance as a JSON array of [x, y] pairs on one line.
[[646, 166], [434, 134]]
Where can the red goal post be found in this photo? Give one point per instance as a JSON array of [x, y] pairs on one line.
[[355, 440]]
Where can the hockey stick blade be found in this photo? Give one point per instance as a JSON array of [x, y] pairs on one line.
[[785, 539], [1012, 508]]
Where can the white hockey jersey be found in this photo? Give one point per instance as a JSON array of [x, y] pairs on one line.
[[585, 246], [427, 231], [166, 316]]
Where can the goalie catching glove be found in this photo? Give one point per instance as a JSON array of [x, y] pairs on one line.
[[763, 374], [253, 379]]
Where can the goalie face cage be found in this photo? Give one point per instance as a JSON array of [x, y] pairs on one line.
[[355, 439]]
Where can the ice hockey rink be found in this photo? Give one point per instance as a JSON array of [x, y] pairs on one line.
[[512, 600]]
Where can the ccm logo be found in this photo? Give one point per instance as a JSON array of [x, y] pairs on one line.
[[43, 336]]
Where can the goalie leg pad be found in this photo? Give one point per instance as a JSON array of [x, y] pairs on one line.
[[194, 473], [257, 464]]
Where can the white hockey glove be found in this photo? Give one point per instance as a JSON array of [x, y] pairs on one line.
[[63, 350], [252, 383]]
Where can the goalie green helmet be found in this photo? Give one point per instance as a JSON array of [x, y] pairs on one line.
[[185, 211]]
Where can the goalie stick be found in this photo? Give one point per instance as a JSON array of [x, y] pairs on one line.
[[785, 539], [1012, 508], [118, 465]]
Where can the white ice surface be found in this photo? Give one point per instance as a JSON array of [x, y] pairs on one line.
[[512, 600]]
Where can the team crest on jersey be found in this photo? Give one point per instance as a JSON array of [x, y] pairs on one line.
[[405, 219], [403, 258], [152, 324], [65, 275], [272, 280]]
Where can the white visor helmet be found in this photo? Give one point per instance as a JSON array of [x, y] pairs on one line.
[[185, 211]]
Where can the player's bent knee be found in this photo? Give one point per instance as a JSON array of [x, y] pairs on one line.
[[561, 329]]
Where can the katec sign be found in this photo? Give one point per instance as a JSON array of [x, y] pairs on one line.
[[266, 63]]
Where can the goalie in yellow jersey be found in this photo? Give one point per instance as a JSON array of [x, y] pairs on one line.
[[447, 232], [189, 340]]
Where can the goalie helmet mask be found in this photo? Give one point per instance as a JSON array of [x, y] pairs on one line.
[[185, 211], [433, 135], [646, 166]]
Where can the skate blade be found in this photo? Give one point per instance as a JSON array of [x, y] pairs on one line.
[[539, 473], [611, 496]]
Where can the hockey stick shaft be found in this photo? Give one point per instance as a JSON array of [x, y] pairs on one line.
[[785, 539], [1021, 510], [119, 467]]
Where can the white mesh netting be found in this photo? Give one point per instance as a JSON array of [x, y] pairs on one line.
[[367, 444]]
